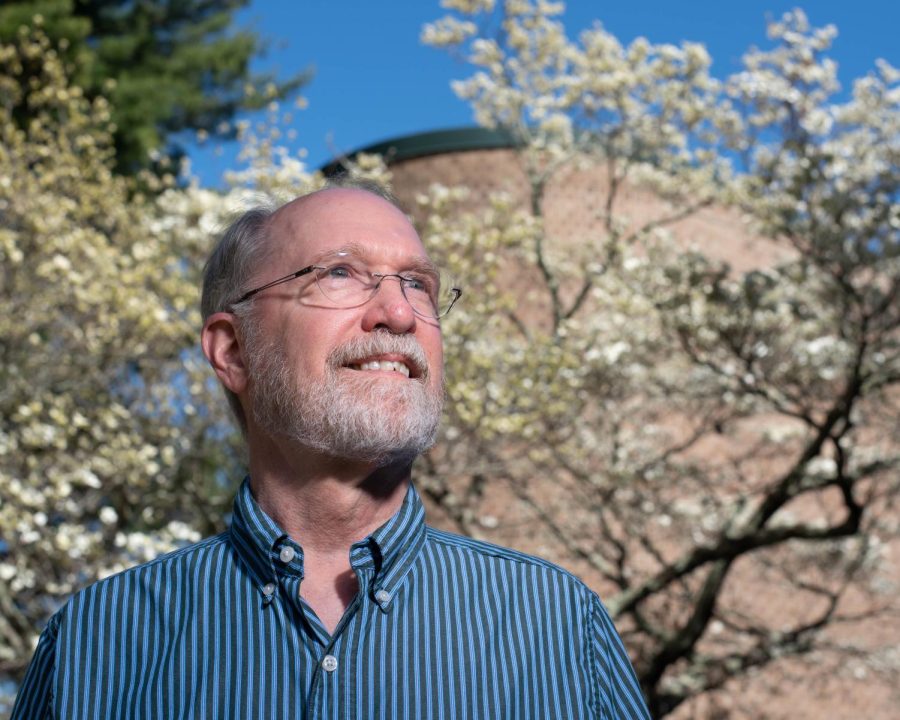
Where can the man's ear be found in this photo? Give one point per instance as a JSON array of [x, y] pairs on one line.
[[220, 343]]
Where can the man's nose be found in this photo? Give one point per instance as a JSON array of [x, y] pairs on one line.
[[389, 307]]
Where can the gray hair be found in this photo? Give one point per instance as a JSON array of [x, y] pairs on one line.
[[242, 248], [239, 251]]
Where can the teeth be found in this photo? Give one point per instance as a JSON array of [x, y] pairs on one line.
[[386, 365]]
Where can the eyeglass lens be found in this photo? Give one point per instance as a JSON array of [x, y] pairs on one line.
[[348, 283]]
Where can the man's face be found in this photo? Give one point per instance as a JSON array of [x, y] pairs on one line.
[[335, 379]]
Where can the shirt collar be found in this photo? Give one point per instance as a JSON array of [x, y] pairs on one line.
[[389, 551], [256, 539], [392, 548]]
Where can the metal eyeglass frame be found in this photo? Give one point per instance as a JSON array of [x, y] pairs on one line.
[[455, 291]]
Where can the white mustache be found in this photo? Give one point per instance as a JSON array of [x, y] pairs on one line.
[[381, 343]]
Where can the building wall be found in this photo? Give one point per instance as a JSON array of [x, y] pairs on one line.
[[574, 205]]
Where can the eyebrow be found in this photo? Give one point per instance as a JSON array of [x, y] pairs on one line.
[[415, 264]]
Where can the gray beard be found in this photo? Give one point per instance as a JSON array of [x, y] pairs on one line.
[[350, 414]]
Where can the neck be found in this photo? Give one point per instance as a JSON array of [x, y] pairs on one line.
[[326, 504]]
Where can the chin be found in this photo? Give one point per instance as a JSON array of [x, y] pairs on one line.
[[375, 454]]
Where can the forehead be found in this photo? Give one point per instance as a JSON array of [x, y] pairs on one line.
[[338, 219]]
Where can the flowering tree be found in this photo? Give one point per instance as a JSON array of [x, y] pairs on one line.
[[718, 450], [105, 449]]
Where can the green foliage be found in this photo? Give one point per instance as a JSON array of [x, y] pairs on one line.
[[164, 67]]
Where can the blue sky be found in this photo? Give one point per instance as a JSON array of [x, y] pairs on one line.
[[373, 79]]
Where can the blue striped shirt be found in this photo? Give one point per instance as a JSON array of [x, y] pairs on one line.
[[442, 627]]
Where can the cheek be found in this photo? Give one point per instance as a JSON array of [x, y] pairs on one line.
[[439, 357], [321, 324], [434, 349], [310, 342]]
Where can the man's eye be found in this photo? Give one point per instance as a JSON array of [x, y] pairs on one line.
[[419, 284], [338, 272]]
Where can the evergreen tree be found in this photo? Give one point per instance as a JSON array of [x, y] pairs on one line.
[[166, 66]]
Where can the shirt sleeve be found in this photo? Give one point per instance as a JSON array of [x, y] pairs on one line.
[[35, 698], [618, 693]]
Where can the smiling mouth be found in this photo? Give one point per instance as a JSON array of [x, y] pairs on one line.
[[399, 357], [382, 366]]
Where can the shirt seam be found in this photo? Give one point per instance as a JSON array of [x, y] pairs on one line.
[[51, 704], [594, 682], [496, 551], [53, 626], [222, 537]]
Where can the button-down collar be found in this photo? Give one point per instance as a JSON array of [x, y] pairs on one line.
[[391, 549], [388, 553]]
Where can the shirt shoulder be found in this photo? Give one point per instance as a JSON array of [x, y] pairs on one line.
[[99, 622], [566, 621], [503, 558], [185, 563]]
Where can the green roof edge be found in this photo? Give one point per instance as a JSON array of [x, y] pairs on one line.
[[433, 142]]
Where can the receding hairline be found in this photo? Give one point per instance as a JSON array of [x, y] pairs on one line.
[[294, 217], [319, 196]]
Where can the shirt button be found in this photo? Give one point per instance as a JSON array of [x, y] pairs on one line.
[[287, 554], [329, 663], [268, 589], [383, 597]]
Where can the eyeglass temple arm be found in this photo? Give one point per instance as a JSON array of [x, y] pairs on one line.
[[457, 293], [286, 278]]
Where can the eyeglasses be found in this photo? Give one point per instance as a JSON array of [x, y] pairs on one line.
[[346, 282]]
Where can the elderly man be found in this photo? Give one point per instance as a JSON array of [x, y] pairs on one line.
[[329, 597]]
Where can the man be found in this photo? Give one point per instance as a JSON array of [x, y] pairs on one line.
[[328, 597]]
